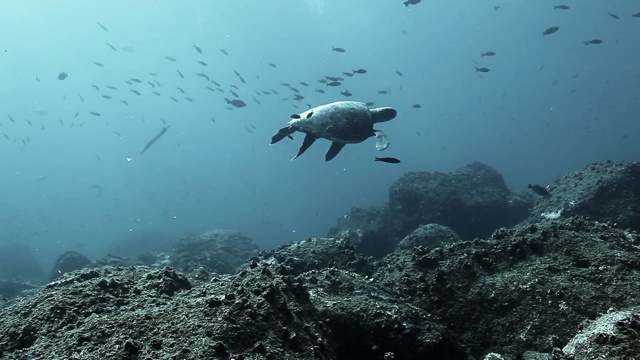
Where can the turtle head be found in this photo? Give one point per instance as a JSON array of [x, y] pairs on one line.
[[383, 114]]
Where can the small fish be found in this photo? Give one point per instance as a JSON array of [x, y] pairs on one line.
[[95, 87], [106, 96], [95, 113], [236, 102], [550, 30], [334, 83], [103, 27], [28, 122], [495, 8], [188, 99], [304, 83], [484, 70], [37, 78], [81, 98], [98, 63], [273, 65], [561, 7], [614, 16], [399, 73], [416, 106], [172, 98], [151, 84], [63, 75], [117, 133], [390, 160], [488, 53], [135, 80], [359, 71], [76, 115], [155, 93], [170, 58], [213, 119], [202, 63], [112, 47], [347, 74], [197, 49], [179, 73], [383, 92], [239, 76], [594, 41], [124, 102], [411, 2], [10, 118], [636, 15], [338, 49], [155, 138], [180, 89], [203, 75], [540, 190], [224, 51], [320, 91], [135, 92], [346, 93], [6, 136], [112, 87]]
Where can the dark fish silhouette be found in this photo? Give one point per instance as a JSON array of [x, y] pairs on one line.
[[155, 138], [411, 2], [236, 102], [538, 189], [338, 49], [103, 27], [614, 16], [389, 160], [482, 70], [488, 53], [63, 75], [550, 30], [594, 41], [561, 7], [197, 49]]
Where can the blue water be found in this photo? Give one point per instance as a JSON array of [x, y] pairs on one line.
[[549, 105]]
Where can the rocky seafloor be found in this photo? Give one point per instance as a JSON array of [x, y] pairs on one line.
[[454, 266]]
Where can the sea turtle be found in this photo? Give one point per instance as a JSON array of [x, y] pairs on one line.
[[342, 122]]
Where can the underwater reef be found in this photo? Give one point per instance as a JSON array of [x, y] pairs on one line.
[[560, 281]]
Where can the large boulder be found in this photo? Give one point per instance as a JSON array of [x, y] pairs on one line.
[[368, 229], [473, 201], [218, 251], [522, 289], [607, 192]]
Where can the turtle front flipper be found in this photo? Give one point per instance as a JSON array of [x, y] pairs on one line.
[[308, 141], [333, 151], [382, 142], [282, 133]]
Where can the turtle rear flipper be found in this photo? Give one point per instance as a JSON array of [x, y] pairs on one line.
[[382, 142], [282, 133], [308, 141], [333, 151]]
